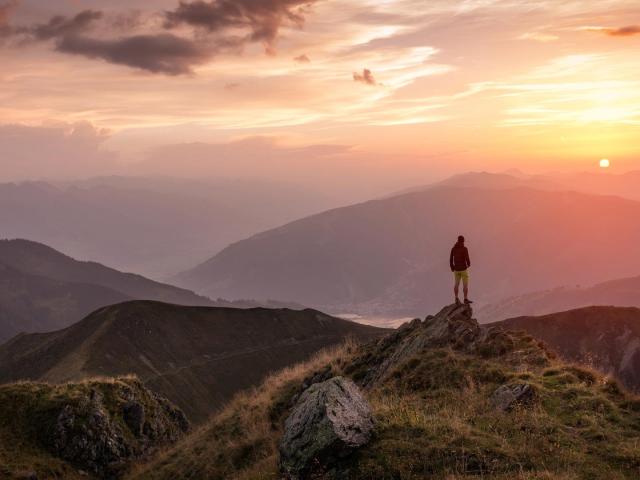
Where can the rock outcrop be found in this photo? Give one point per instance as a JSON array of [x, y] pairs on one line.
[[453, 327], [97, 426], [506, 397], [328, 422]]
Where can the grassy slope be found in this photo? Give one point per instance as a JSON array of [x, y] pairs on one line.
[[198, 357], [434, 420]]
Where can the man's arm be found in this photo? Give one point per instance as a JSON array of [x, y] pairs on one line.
[[451, 260], [466, 254]]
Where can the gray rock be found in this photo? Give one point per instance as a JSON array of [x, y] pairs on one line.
[[133, 415], [506, 397], [329, 421], [453, 326], [85, 435], [91, 436]]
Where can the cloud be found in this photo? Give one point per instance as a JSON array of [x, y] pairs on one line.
[[623, 31], [365, 77], [263, 18], [302, 59], [163, 53], [219, 26], [539, 37], [157, 53], [60, 26], [6, 9], [58, 151]]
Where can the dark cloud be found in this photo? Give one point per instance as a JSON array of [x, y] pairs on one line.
[[160, 53], [6, 8], [623, 31], [164, 53], [60, 26], [365, 77], [263, 18], [302, 59], [5, 11], [220, 26]]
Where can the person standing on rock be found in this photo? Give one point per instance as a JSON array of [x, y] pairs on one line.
[[460, 263]]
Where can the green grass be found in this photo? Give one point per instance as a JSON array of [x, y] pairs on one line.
[[434, 420]]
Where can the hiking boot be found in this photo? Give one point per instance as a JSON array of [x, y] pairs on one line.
[[467, 301]]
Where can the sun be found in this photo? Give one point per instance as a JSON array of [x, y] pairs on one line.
[[605, 163]]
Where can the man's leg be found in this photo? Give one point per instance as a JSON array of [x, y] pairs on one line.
[[456, 287], [465, 287]]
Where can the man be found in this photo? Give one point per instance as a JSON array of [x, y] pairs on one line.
[[460, 263]]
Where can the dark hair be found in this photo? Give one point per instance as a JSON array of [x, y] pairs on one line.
[[461, 239]]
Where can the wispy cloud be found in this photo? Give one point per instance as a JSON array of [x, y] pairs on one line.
[[623, 31]]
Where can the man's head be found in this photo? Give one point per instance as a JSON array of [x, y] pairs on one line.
[[460, 239]]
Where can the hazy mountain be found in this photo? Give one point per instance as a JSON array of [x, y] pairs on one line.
[[154, 226], [197, 357], [626, 185], [620, 293], [42, 289], [31, 303], [607, 338], [38, 259], [391, 255]]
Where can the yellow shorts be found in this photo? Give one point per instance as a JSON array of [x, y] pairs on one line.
[[463, 275]]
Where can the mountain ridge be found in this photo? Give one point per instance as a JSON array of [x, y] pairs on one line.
[[195, 356], [620, 293]]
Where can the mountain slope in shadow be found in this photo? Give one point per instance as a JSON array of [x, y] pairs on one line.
[[43, 290], [31, 303], [198, 357]]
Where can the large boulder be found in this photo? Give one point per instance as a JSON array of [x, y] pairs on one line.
[[329, 421]]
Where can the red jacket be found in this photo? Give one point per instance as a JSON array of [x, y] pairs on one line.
[[459, 258]]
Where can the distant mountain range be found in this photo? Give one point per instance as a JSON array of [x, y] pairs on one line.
[[390, 256], [625, 185], [198, 357], [607, 338], [151, 225], [42, 289], [620, 293]]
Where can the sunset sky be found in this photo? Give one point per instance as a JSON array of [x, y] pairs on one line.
[[408, 89]]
